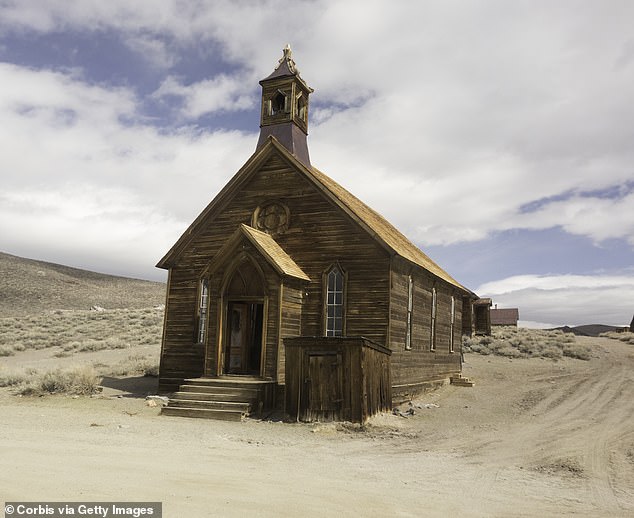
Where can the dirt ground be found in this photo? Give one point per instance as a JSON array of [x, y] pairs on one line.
[[532, 438]]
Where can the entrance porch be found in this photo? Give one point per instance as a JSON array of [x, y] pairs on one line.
[[229, 398]]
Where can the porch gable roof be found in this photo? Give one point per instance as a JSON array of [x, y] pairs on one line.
[[267, 246]]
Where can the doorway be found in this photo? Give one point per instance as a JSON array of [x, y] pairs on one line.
[[243, 346]]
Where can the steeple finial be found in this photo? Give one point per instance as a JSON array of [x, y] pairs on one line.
[[287, 56]]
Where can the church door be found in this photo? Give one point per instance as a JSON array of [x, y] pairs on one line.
[[243, 337]]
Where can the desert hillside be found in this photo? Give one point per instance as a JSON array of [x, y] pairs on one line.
[[30, 287]]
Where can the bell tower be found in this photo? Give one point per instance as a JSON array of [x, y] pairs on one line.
[[284, 112]]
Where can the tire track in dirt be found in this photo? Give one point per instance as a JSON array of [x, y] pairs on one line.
[[573, 432]]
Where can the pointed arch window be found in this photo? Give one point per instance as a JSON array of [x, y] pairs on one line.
[[410, 309], [452, 323], [203, 306], [278, 103], [334, 307], [302, 108]]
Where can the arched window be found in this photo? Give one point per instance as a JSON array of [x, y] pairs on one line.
[[203, 304], [410, 309], [453, 322], [278, 103], [302, 110], [334, 310]]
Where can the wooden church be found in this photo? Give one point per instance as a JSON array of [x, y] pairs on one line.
[[288, 292]]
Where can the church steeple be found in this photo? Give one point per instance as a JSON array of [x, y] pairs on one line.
[[284, 112]]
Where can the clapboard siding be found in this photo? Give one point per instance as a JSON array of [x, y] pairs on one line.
[[320, 234], [421, 364]]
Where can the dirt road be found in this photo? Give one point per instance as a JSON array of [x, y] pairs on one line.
[[532, 438]]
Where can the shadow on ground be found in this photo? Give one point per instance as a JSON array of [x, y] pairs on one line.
[[134, 387]]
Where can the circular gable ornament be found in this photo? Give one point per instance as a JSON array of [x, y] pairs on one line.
[[272, 218]]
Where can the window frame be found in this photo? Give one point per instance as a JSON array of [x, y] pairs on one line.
[[202, 311], [434, 314], [452, 324], [409, 320], [327, 305]]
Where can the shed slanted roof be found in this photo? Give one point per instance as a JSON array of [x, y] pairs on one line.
[[505, 317]]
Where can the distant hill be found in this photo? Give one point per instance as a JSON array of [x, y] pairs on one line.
[[30, 287], [588, 330]]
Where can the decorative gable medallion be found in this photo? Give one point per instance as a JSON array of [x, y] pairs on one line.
[[272, 218]]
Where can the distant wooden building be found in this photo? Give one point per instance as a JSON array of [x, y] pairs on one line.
[[285, 258], [481, 317], [504, 317]]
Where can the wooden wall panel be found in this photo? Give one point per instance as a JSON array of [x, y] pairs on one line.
[[420, 364], [319, 236]]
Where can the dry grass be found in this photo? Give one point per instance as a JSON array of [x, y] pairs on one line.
[[76, 332], [82, 380], [75, 380], [81, 331], [527, 343], [626, 337]]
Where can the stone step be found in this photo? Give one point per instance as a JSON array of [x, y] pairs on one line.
[[211, 405], [204, 413], [240, 382], [461, 381], [212, 398], [217, 396], [213, 389]]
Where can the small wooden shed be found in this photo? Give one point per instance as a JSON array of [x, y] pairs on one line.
[[505, 316], [336, 378]]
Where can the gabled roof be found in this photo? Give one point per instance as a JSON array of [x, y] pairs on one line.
[[505, 317], [268, 247], [376, 225]]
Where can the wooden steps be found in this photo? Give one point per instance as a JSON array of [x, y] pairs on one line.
[[461, 381], [227, 398]]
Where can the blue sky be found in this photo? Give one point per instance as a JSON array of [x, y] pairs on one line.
[[497, 135]]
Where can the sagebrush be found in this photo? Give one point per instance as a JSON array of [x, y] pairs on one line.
[[515, 342], [81, 331], [626, 337]]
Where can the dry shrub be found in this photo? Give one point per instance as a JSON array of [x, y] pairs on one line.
[[6, 351], [626, 337], [11, 379], [133, 365], [82, 381], [514, 342]]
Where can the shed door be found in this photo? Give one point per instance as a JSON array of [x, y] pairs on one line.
[[325, 386]]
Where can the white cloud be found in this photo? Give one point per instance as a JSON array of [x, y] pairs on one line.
[[85, 178], [222, 93], [566, 299], [585, 215], [155, 50]]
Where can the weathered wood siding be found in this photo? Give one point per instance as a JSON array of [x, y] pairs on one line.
[[290, 320], [319, 235], [181, 357], [413, 368], [336, 378]]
